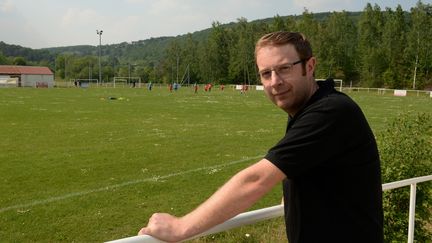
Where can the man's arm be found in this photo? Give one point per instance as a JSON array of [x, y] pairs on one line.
[[234, 197]]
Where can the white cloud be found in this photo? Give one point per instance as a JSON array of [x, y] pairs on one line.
[[324, 5], [6, 6], [125, 26], [168, 8], [76, 16], [136, 1]]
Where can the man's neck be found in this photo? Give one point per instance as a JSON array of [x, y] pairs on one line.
[[313, 89]]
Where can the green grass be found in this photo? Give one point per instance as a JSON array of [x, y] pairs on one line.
[[78, 166]]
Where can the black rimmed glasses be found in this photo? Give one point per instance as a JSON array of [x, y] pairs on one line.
[[283, 71]]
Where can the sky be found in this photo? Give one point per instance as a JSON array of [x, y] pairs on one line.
[[54, 23]]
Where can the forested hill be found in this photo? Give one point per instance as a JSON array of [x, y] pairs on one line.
[[151, 49], [33, 55]]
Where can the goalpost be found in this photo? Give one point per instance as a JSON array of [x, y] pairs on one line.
[[127, 81], [340, 84]]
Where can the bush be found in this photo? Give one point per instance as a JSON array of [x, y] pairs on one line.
[[406, 152]]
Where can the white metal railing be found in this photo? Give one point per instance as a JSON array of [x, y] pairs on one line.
[[277, 211], [413, 185]]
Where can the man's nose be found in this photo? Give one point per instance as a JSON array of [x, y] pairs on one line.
[[275, 80]]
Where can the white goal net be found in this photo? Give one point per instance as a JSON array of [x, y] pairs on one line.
[[133, 82]]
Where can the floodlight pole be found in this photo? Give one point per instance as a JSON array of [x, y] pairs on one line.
[[177, 66], [99, 32], [129, 72]]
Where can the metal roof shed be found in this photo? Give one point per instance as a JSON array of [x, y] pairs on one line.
[[28, 76]]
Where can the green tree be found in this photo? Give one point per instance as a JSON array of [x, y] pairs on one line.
[[337, 54], [189, 65], [290, 24], [172, 61], [205, 69], [60, 66], [242, 59], [370, 46], [3, 59], [394, 42], [278, 24], [20, 61], [155, 71], [113, 61], [419, 55], [123, 70], [310, 27], [217, 53]]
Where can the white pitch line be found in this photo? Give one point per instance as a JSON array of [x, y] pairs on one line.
[[127, 183]]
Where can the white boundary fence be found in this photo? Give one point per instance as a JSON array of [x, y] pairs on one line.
[[395, 92], [255, 216]]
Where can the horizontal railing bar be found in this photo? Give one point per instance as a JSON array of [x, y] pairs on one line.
[[255, 216], [137, 239], [407, 182], [246, 218]]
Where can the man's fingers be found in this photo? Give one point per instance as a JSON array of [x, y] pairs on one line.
[[146, 230], [143, 231], [162, 226]]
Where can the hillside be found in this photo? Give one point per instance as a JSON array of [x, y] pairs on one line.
[[148, 50]]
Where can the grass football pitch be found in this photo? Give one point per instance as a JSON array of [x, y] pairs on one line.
[[92, 165]]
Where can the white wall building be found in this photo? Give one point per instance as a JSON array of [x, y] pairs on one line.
[[26, 76]]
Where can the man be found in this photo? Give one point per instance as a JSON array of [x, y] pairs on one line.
[[328, 159]]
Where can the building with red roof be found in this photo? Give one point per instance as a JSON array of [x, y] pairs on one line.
[[26, 76]]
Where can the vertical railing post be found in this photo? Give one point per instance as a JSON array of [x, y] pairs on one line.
[[412, 213]]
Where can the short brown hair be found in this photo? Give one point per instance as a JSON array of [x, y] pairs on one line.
[[280, 38]]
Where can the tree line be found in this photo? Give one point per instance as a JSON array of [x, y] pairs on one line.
[[373, 48]]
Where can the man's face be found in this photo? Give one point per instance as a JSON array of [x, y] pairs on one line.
[[283, 79]]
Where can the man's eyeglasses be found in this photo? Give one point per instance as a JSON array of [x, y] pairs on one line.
[[282, 71]]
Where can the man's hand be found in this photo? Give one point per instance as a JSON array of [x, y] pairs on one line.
[[164, 227]]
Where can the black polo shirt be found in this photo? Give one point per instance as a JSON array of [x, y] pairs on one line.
[[333, 188]]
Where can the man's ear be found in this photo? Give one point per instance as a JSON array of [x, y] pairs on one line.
[[310, 65]]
